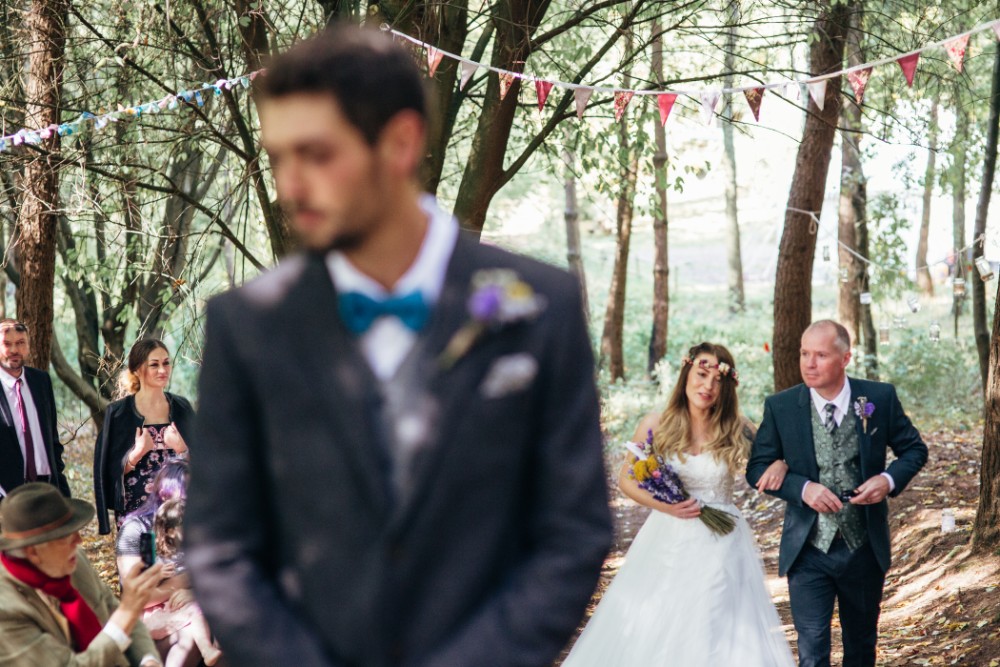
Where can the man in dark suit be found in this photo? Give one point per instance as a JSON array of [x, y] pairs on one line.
[[30, 450], [834, 433], [399, 459]]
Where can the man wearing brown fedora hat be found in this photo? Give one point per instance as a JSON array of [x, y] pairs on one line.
[[54, 609]]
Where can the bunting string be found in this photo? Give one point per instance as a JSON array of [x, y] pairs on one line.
[[858, 76], [195, 96]]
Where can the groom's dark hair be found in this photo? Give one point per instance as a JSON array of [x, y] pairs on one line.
[[370, 77]]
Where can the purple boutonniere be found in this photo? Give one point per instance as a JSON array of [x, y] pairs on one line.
[[864, 410], [499, 298]]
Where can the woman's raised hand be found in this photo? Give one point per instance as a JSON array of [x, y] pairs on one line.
[[773, 477], [172, 439]]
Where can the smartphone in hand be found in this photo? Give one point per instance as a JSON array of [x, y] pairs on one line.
[[147, 548]]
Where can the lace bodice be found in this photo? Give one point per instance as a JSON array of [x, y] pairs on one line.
[[705, 478]]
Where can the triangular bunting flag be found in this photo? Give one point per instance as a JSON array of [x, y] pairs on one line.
[[817, 91], [956, 51], [622, 98], [996, 29], [859, 81], [709, 99], [582, 96], [754, 97], [909, 66], [665, 102], [433, 60], [468, 69], [506, 79], [542, 89]]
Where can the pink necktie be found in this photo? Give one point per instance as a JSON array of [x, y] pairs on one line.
[[30, 471]]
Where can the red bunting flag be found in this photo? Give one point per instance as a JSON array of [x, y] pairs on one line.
[[433, 60], [666, 103], [909, 66], [622, 98], [581, 96], [542, 89], [859, 81], [506, 80], [754, 97], [956, 51]]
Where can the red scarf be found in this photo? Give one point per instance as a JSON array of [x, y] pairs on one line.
[[83, 623]]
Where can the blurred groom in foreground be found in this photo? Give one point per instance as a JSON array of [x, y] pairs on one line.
[[399, 453]]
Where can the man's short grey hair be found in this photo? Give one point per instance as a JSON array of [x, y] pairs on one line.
[[843, 337], [16, 553]]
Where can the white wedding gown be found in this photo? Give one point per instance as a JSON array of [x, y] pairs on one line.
[[686, 597]]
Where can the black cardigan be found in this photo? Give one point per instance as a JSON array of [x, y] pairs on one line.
[[121, 419]]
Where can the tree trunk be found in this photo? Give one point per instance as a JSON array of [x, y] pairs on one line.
[[574, 256], [986, 529], [737, 301], [958, 176], [612, 351], [923, 272], [38, 217], [661, 266], [793, 279], [869, 341], [982, 209], [853, 204]]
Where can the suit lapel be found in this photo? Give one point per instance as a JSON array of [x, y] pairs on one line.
[[447, 387], [43, 614], [864, 439], [805, 418], [344, 378]]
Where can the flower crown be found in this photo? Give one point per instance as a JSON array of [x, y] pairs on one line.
[[725, 370]]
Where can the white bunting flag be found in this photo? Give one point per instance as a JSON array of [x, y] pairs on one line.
[[817, 91], [709, 99], [582, 96], [468, 69]]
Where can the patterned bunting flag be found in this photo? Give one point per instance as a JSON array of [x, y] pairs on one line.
[[581, 96], [665, 102], [754, 97], [909, 66], [859, 81], [506, 80], [709, 99], [542, 89], [956, 51], [817, 91], [622, 98], [433, 60], [468, 69], [996, 29]]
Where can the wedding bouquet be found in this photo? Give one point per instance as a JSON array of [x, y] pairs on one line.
[[664, 484]]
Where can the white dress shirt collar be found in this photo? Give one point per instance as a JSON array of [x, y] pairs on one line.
[[425, 275], [842, 401], [8, 381]]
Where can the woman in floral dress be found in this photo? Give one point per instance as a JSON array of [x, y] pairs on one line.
[[145, 428]]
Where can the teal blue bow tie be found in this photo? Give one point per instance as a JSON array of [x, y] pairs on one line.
[[358, 310]]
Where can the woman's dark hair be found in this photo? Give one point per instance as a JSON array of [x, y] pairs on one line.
[[171, 481], [369, 76], [128, 381]]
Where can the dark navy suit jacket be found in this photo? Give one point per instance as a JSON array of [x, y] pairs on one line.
[[11, 456]]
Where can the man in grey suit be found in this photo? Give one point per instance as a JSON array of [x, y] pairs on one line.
[[834, 433], [399, 458]]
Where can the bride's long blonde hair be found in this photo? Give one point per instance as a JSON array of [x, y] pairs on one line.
[[729, 443]]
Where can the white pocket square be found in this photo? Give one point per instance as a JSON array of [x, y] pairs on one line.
[[508, 374]]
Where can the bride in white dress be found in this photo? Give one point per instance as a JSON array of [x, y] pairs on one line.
[[687, 597]]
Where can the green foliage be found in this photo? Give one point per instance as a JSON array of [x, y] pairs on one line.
[[887, 247]]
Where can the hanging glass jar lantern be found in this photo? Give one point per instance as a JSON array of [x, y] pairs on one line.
[[935, 332], [958, 287], [826, 253], [883, 334], [984, 268], [845, 276], [866, 298], [899, 322], [913, 302]]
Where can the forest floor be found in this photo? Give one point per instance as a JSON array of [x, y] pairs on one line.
[[942, 602]]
